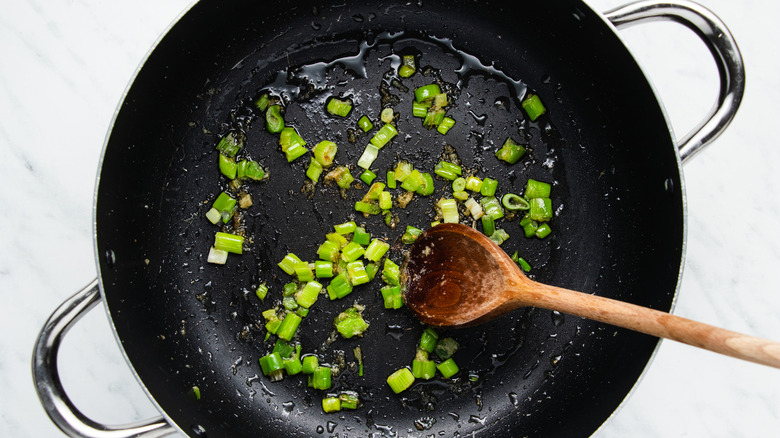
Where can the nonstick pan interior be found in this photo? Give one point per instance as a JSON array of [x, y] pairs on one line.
[[618, 229]]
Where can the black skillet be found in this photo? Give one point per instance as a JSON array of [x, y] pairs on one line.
[[618, 230]]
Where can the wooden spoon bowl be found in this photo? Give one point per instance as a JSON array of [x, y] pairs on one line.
[[456, 276]]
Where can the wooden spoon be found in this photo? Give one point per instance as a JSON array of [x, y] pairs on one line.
[[456, 276]]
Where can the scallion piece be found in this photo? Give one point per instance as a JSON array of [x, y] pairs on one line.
[[413, 181], [229, 242], [329, 251], [391, 295], [376, 250], [365, 123], [541, 209], [303, 271], [428, 339], [284, 348], [262, 102], [349, 399], [391, 179], [274, 122], [367, 207], [533, 106], [420, 109], [488, 225], [384, 135], [371, 270], [447, 170], [510, 152], [289, 303], [293, 365], [400, 380], [225, 204], [459, 185], [367, 176], [460, 196], [217, 256], [227, 166], [289, 326], [499, 236], [272, 366], [350, 323], [511, 201], [426, 92], [331, 404], [352, 252], [324, 152], [340, 286], [252, 170], [448, 368], [321, 378], [410, 235], [474, 208], [308, 295], [262, 291], [529, 225], [473, 183], [339, 107], [289, 262], [492, 207], [385, 200], [213, 215], [402, 170], [314, 171], [289, 289], [294, 152], [427, 187], [537, 189], [423, 369], [386, 115], [310, 364], [521, 262], [433, 118], [361, 236], [345, 228], [391, 273], [489, 186], [357, 273], [408, 66], [341, 175], [449, 211], [445, 125], [369, 155], [230, 144]]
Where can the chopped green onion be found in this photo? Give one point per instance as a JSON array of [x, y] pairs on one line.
[[391, 273], [473, 183], [391, 295], [422, 367], [251, 170], [376, 250], [460, 196], [217, 256], [367, 176], [262, 291], [357, 273], [367, 207], [533, 106], [308, 295], [274, 122], [284, 348], [488, 225], [449, 211], [499, 236], [445, 125], [529, 225], [303, 272], [359, 357], [230, 144], [341, 175], [400, 380], [448, 368], [310, 364], [447, 170], [324, 152], [213, 215], [371, 270], [514, 202], [420, 109], [345, 228], [510, 152], [227, 166], [289, 137], [262, 102], [537, 189], [386, 115], [340, 286], [349, 399], [225, 204], [289, 303], [474, 208], [385, 200], [489, 186], [492, 207], [352, 252], [433, 118], [428, 339], [339, 107], [410, 235], [289, 262], [426, 92], [459, 185], [272, 366], [384, 135], [445, 348], [350, 323], [521, 262], [369, 155], [402, 171], [331, 404], [361, 236], [391, 179], [321, 379], [413, 181], [289, 326], [440, 100], [543, 230], [427, 187], [541, 209], [292, 365], [229, 242], [314, 171], [329, 250], [289, 289], [365, 124], [294, 152], [407, 67]]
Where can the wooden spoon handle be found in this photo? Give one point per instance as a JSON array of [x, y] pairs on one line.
[[655, 323]]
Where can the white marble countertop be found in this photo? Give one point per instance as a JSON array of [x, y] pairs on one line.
[[66, 63]]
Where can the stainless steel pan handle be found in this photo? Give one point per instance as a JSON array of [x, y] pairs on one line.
[[47, 380], [721, 44]]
